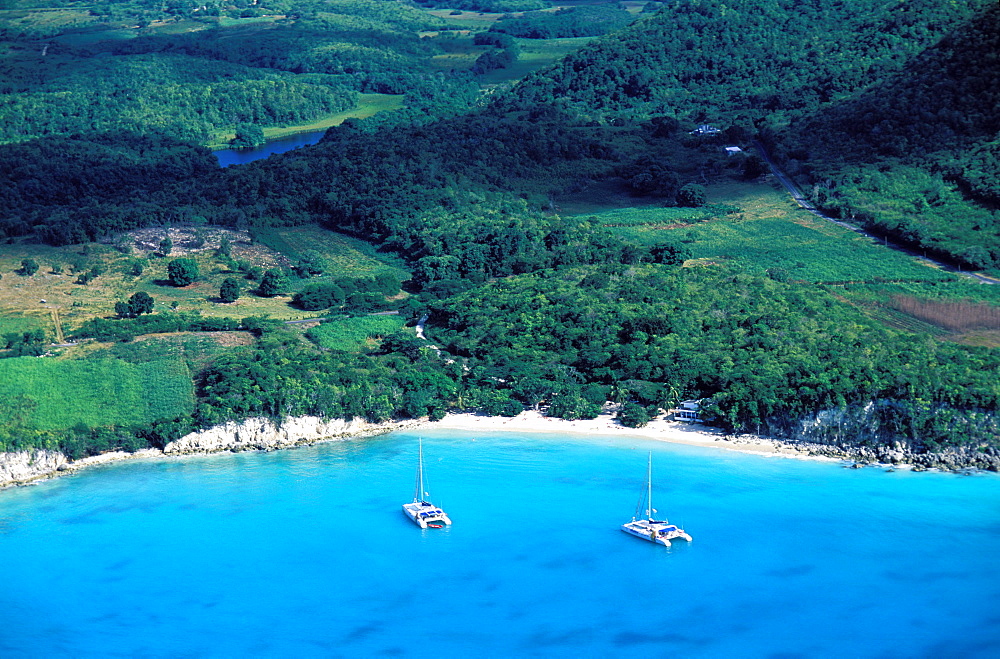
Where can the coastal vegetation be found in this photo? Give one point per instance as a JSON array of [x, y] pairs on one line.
[[604, 230], [44, 398], [353, 333]]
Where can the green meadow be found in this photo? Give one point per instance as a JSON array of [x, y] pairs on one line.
[[460, 53], [767, 233], [57, 394], [355, 333], [26, 323], [368, 105], [345, 256], [535, 54]]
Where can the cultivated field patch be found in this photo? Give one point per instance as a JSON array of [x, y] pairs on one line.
[[196, 349], [770, 235], [53, 394], [355, 333], [955, 315]]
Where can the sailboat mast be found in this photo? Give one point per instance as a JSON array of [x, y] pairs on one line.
[[418, 495], [649, 486]]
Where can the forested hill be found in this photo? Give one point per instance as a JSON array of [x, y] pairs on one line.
[[889, 109], [916, 156], [198, 71], [742, 62], [568, 311]]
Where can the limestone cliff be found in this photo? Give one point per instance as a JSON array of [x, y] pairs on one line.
[[264, 434], [252, 434], [26, 466]]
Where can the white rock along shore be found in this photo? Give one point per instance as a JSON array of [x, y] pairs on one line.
[[256, 434]]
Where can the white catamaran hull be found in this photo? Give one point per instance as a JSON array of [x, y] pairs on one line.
[[658, 533], [422, 514]]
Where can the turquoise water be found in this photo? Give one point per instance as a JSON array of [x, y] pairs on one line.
[[306, 553]]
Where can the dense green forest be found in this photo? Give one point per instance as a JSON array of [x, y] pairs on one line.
[[534, 307], [583, 21], [304, 61], [889, 113], [933, 183]]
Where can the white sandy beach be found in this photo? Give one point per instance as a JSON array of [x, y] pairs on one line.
[[261, 434], [605, 425]]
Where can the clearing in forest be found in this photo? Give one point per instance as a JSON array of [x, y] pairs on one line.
[[765, 233]]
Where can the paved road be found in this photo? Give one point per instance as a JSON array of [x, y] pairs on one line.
[[801, 200]]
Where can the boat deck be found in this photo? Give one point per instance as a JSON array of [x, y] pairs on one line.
[[423, 513], [660, 532]]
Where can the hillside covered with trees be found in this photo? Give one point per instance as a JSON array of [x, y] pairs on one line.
[[564, 311], [190, 73], [887, 114]]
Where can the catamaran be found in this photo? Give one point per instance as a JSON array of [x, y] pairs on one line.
[[658, 531], [424, 513]]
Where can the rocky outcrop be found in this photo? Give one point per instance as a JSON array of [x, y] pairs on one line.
[[21, 467], [960, 458], [264, 434]]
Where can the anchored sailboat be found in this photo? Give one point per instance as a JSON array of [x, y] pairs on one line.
[[424, 513], [649, 529]]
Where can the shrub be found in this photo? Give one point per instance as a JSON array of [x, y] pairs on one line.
[[274, 282], [230, 290], [28, 267], [691, 195], [633, 415]]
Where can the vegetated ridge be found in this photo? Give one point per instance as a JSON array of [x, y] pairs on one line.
[[560, 312]]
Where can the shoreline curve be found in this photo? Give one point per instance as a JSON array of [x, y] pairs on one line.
[[261, 434]]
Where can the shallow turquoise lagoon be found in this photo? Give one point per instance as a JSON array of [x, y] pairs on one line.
[[306, 553]]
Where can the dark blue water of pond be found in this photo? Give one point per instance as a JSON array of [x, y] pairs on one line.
[[229, 157]]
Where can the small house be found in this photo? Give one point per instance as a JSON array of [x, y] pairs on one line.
[[733, 150], [688, 411], [705, 129]]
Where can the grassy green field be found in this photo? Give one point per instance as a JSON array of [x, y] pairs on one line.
[[196, 349], [662, 217], [460, 53], [368, 105], [57, 394], [354, 333], [535, 54], [29, 302], [465, 20], [805, 253], [26, 323], [962, 288], [346, 256], [770, 233]]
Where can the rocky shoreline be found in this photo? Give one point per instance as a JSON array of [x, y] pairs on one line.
[[959, 459], [261, 434], [256, 434]]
